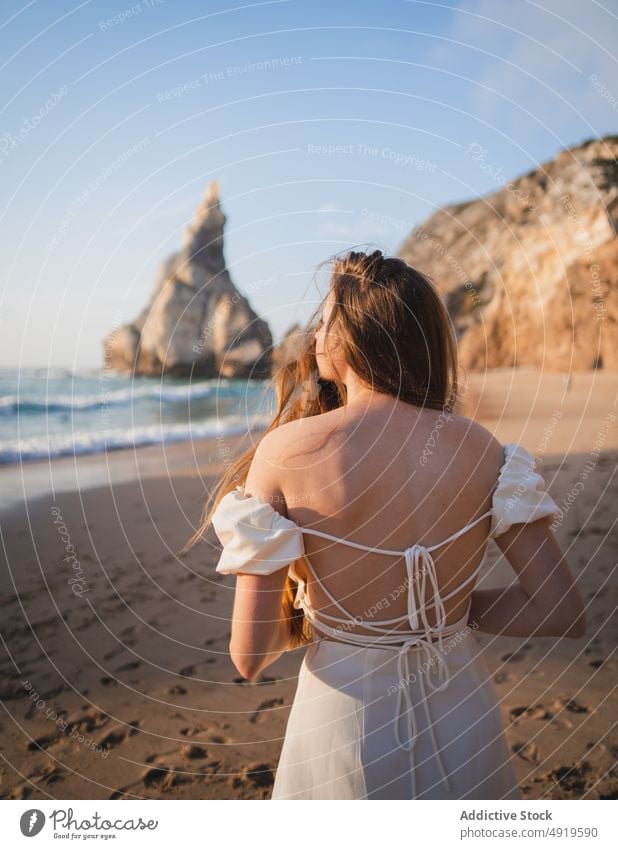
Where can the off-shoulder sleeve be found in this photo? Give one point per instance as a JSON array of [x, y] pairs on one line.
[[255, 537], [520, 494]]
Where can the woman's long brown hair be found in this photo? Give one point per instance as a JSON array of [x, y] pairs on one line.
[[393, 330]]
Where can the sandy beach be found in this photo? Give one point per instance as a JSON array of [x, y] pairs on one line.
[[116, 682]]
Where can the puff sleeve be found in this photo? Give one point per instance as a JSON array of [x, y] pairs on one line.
[[520, 494], [255, 537]]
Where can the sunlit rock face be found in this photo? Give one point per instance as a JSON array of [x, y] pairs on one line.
[[530, 273], [197, 323]]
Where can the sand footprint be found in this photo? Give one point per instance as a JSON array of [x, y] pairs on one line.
[[192, 730], [163, 777], [259, 714], [254, 776], [570, 705], [132, 664], [193, 752], [532, 712], [87, 723], [517, 655], [571, 779], [114, 652], [216, 739], [159, 776], [121, 793], [526, 751], [503, 678], [119, 734], [44, 742], [51, 775], [207, 734], [19, 791], [264, 679]]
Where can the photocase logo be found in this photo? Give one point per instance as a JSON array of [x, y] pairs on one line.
[[32, 822]]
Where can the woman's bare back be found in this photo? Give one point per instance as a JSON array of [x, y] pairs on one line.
[[388, 476]]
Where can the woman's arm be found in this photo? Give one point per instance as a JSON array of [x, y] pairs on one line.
[[261, 632], [510, 612], [545, 602]]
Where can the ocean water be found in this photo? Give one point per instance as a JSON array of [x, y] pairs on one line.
[[48, 413]]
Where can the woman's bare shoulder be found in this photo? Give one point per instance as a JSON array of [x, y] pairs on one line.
[[477, 441], [298, 434]]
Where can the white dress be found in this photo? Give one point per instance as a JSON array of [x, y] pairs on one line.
[[403, 714]]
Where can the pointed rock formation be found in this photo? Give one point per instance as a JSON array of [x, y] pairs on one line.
[[197, 323], [529, 273]]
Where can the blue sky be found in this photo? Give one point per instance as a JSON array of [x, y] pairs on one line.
[[116, 116]]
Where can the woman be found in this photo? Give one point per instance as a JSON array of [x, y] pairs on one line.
[[357, 527]]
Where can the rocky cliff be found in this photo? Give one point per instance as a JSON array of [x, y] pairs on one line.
[[530, 272], [197, 323]]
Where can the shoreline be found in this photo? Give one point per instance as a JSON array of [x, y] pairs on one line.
[[497, 403], [39, 478]]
